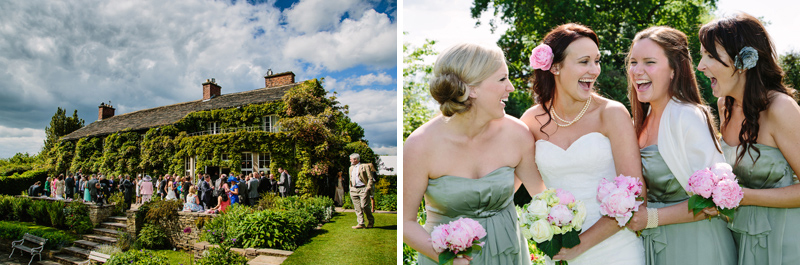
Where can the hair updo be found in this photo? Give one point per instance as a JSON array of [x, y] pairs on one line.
[[457, 70]]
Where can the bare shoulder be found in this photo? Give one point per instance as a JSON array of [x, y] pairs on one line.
[[516, 128], [530, 115], [781, 104], [421, 138], [612, 110]]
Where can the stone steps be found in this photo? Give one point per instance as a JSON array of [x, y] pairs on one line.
[[109, 225], [67, 259], [266, 260], [118, 219], [86, 244], [106, 232], [76, 252], [101, 239]]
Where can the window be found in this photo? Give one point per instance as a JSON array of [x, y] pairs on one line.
[[263, 162], [225, 157], [189, 166], [247, 163], [213, 127], [270, 123]]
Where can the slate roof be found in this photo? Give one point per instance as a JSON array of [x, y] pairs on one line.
[[149, 118]]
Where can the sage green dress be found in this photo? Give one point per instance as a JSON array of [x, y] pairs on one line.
[[764, 235], [488, 200], [701, 242]]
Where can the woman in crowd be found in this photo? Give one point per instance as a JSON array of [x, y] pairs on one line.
[[760, 121], [677, 137], [192, 202], [472, 150]]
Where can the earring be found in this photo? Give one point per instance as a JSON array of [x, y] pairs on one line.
[[556, 73], [740, 71]]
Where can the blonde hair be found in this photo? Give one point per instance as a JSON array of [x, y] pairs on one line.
[[459, 68], [192, 190]]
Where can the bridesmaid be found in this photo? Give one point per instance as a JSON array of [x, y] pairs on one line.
[[677, 137], [760, 122], [468, 161]]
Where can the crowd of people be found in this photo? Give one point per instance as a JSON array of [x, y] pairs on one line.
[[200, 194]]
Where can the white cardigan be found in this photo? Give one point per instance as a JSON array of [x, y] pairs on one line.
[[685, 142]]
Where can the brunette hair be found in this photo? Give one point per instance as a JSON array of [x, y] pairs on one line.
[[460, 68], [544, 82], [683, 85], [734, 33]]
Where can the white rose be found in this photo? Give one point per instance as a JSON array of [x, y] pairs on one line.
[[541, 231], [538, 209], [580, 215]]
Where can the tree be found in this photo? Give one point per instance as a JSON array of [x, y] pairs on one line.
[[416, 75], [790, 62], [615, 24], [60, 125]]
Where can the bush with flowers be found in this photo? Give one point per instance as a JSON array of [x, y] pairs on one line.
[[553, 219], [715, 187], [77, 217]]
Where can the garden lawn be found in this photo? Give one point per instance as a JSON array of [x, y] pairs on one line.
[[337, 243], [177, 257]]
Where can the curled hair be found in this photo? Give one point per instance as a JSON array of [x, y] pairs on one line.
[[734, 33], [683, 85], [459, 69], [544, 82]]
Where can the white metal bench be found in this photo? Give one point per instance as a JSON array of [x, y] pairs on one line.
[[37, 242]]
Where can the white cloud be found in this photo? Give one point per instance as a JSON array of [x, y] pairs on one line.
[[26, 140], [310, 16], [369, 40], [375, 111], [369, 79], [150, 53]]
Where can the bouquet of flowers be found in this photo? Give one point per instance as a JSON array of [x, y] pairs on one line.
[[715, 187], [620, 198], [457, 238], [553, 219]]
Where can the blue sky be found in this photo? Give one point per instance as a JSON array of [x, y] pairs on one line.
[[145, 54]]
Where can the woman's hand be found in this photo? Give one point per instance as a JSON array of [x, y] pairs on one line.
[[569, 253], [638, 221], [462, 260]]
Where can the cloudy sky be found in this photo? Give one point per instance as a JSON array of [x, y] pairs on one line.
[[143, 54]]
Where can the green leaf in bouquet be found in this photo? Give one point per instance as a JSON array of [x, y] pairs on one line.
[[571, 239], [551, 247], [475, 248], [446, 257], [697, 203], [727, 213]]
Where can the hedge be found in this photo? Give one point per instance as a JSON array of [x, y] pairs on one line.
[[17, 183], [15, 231]]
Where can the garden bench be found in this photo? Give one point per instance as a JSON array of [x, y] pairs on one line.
[[36, 248]]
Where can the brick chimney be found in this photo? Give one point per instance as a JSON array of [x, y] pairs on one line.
[[273, 80], [105, 111], [211, 89]]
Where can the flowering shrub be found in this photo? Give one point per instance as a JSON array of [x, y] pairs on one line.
[[77, 218], [152, 237]]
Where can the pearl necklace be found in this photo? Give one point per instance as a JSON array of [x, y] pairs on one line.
[[568, 123]]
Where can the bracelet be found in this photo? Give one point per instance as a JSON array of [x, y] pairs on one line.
[[652, 218]]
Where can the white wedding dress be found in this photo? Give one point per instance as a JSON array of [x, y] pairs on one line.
[[579, 170]]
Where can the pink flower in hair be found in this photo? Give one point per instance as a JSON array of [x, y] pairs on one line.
[[542, 57]]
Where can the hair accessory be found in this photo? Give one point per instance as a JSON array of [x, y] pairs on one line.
[[746, 59], [542, 57]]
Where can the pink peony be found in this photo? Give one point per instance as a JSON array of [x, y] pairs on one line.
[[439, 237], [560, 215], [605, 188], [620, 205], [632, 185], [727, 194], [473, 227], [564, 197], [722, 171], [542, 57], [702, 182], [459, 238]]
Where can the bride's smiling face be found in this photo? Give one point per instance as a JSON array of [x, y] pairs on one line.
[[576, 74]]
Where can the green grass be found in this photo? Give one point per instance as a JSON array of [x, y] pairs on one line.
[[177, 257], [337, 243]]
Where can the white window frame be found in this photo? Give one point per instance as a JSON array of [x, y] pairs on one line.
[[213, 127], [263, 165], [249, 169], [189, 166], [270, 123]]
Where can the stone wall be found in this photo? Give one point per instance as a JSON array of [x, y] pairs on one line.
[[183, 231], [96, 213], [249, 253]]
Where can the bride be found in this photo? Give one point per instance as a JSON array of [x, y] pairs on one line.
[[582, 137]]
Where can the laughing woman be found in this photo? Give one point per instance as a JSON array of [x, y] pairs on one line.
[[469, 161], [581, 138], [760, 125], [677, 137]]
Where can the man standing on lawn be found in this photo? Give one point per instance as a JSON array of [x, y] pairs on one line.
[[360, 188]]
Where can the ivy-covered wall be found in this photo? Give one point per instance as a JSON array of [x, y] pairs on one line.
[[314, 144]]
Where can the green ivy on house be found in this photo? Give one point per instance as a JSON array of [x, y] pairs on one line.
[[314, 142]]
